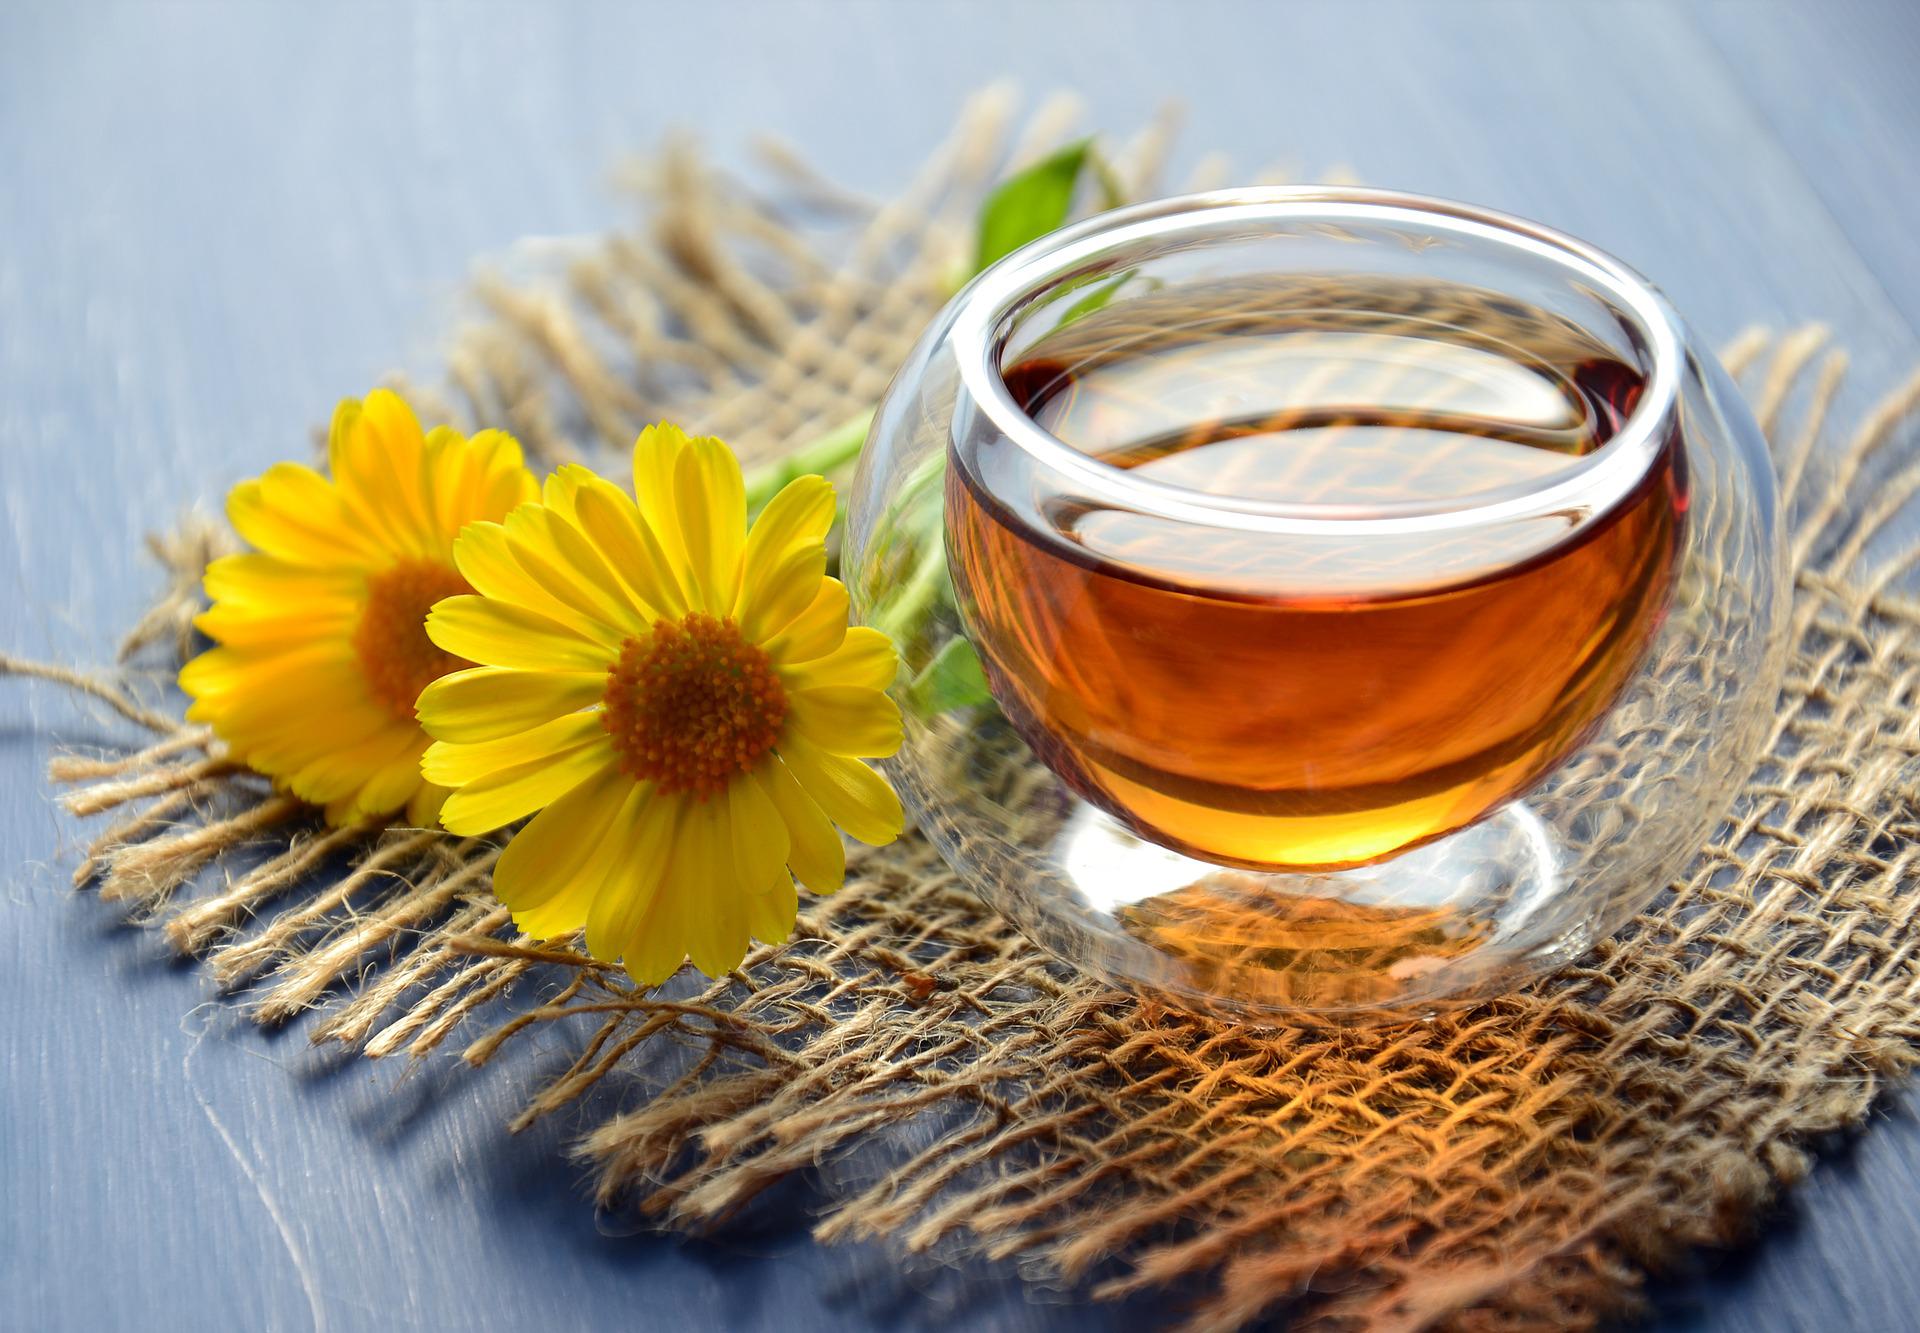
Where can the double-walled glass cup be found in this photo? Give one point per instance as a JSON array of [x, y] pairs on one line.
[[1318, 601]]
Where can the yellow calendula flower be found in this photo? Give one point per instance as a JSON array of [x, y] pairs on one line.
[[321, 629], [680, 698]]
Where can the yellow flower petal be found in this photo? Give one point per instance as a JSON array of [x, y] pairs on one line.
[[650, 824], [656, 457], [795, 519], [614, 523], [485, 560], [250, 710], [846, 720], [487, 703], [272, 585], [866, 657], [292, 744], [382, 425], [658, 939], [717, 938], [377, 455], [508, 484], [771, 912], [852, 795], [496, 633], [484, 477], [456, 472], [555, 556], [759, 835], [816, 631], [814, 851], [539, 876], [292, 512], [340, 766], [453, 764], [423, 810], [789, 590], [716, 935], [501, 797], [391, 786], [582, 554], [557, 492], [658, 945], [255, 672], [288, 625], [712, 507]]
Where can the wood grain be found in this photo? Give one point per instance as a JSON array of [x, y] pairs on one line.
[[217, 219]]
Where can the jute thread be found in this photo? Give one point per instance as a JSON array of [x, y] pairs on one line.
[[1519, 1164]]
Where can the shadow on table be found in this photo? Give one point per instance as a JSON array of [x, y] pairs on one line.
[[761, 1269], [1713, 1289]]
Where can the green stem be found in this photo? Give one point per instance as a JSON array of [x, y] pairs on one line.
[[823, 455], [902, 615]]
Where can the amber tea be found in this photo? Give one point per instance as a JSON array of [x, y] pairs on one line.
[[1328, 692]]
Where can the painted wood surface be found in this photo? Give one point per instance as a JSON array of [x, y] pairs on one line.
[[215, 220]]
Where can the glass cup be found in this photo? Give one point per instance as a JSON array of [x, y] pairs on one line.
[[1318, 601]]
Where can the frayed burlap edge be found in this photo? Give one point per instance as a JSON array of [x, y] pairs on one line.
[[1518, 1164]]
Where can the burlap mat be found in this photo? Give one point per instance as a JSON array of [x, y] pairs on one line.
[[1517, 1164]]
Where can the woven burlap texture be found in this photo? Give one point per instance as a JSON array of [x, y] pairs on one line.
[[1517, 1164]]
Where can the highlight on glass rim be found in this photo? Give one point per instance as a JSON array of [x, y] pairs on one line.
[[1049, 667]]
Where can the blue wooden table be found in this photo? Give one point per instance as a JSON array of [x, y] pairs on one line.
[[215, 220]]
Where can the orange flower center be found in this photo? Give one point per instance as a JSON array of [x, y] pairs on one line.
[[692, 705], [396, 656]]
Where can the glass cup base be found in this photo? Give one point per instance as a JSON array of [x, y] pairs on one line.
[[1465, 916]]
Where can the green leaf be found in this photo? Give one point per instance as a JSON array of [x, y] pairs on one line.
[[953, 679], [1094, 299], [1031, 203]]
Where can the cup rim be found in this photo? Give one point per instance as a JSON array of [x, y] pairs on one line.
[[1593, 484]]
